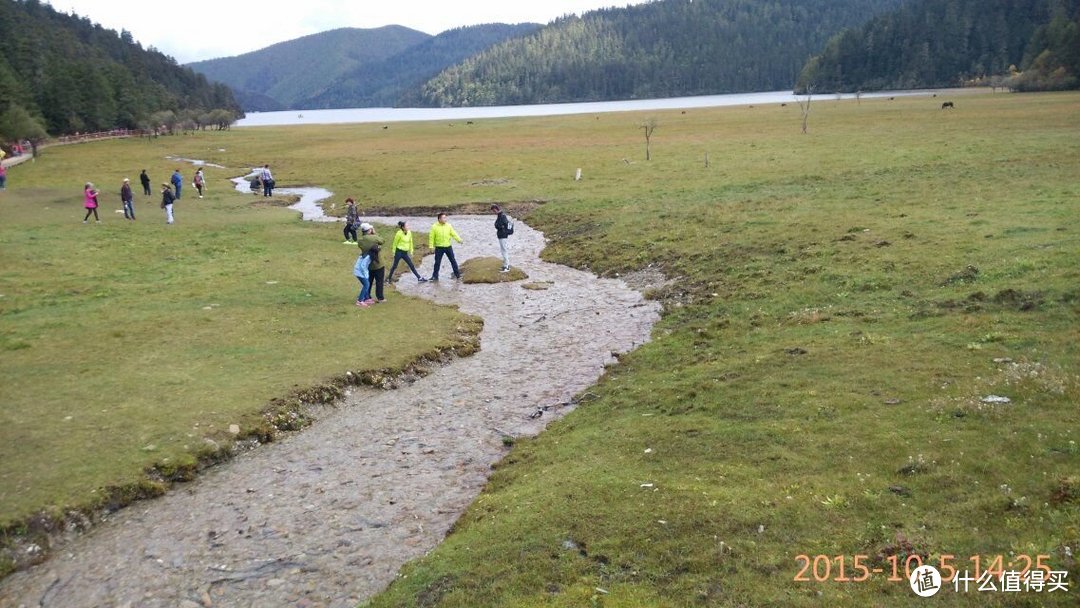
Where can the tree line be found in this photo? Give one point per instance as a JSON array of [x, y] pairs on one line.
[[1022, 44], [62, 74], [657, 49]]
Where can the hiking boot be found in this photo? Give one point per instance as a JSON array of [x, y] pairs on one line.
[[361, 304], [432, 279], [458, 276], [505, 269], [421, 280]]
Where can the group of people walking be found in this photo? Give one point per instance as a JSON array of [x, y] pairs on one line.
[[370, 266], [169, 196]]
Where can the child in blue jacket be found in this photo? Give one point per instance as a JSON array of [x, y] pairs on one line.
[[361, 270]]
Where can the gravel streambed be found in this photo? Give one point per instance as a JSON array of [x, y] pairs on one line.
[[326, 517]]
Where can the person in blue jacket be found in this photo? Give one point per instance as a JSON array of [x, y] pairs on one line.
[[362, 272], [177, 181]]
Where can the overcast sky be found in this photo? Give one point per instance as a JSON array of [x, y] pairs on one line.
[[193, 30]]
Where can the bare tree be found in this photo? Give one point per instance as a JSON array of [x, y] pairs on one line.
[[648, 126], [805, 105]]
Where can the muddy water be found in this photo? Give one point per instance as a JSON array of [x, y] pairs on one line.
[[328, 515]]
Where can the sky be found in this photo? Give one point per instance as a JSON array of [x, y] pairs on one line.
[[194, 30]]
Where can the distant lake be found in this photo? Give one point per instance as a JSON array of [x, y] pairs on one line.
[[360, 115]]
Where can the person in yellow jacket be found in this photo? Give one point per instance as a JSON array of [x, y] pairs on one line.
[[403, 248], [441, 238]]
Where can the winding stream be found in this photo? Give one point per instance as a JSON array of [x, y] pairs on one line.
[[327, 516]]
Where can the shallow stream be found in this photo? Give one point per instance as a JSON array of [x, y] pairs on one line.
[[327, 516]]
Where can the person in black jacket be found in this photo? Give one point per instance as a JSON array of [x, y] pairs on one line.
[[502, 230], [167, 200], [145, 179]]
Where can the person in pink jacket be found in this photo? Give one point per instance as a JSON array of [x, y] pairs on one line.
[[90, 202]]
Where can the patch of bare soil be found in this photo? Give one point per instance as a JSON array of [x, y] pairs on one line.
[[646, 279], [327, 516]]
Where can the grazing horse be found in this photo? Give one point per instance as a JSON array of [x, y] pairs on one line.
[[947, 104]]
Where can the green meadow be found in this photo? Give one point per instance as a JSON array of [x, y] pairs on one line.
[[135, 352], [844, 309]]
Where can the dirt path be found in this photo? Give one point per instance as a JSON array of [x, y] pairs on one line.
[[327, 516]]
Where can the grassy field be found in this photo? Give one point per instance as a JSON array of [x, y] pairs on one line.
[[841, 304], [130, 346]]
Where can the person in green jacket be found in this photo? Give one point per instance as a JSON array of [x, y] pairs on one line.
[[403, 248], [441, 239], [377, 270]]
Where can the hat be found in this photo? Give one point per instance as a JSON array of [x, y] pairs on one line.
[[164, 185], [365, 227], [126, 179]]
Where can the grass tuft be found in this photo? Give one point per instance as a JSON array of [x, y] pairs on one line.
[[488, 270]]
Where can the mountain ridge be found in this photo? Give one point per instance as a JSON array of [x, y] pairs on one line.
[[382, 83], [666, 48], [304, 67]]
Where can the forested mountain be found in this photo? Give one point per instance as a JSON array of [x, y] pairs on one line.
[[65, 74], [297, 70], [349, 67], [658, 49], [941, 43], [382, 83]]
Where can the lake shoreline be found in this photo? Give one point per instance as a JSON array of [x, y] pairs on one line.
[[386, 115]]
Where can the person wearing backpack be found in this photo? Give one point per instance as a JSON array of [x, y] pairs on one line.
[[199, 181], [503, 229]]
